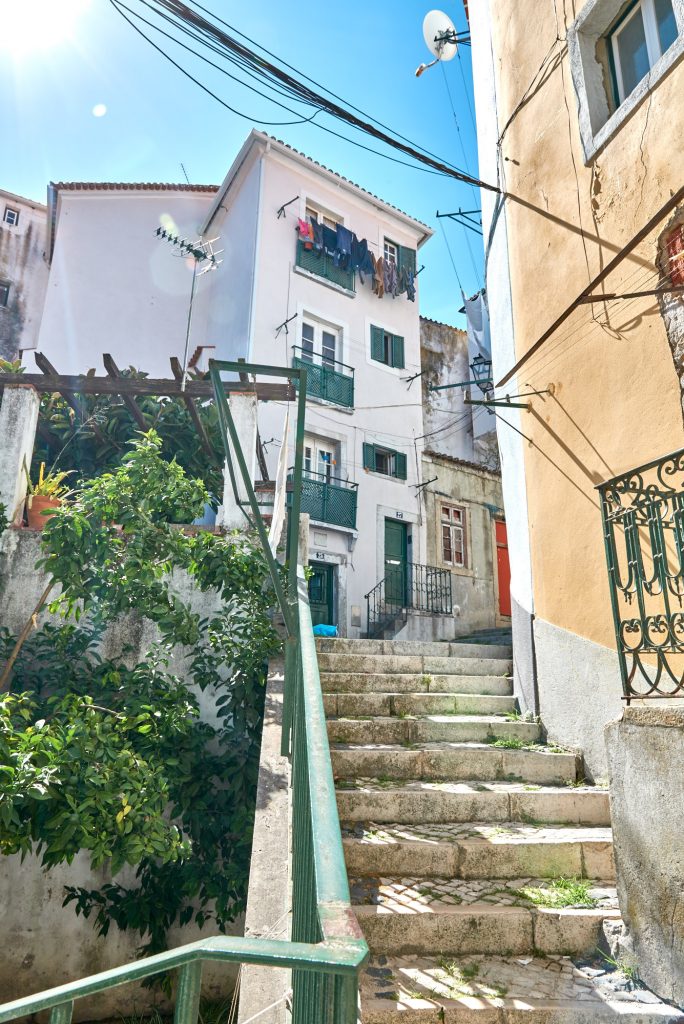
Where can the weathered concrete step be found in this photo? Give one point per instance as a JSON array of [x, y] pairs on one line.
[[429, 729], [481, 928], [429, 665], [488, 850], [447, 761], [501, 990], [454, 802], [414, 648], [380, 684]]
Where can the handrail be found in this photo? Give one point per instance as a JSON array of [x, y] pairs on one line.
[[327, 948], [323, 361], [334, 481], [413, 586], [664, 459]]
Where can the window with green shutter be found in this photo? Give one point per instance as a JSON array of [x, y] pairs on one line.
[[406, 258], [387, 348], [386, 461]]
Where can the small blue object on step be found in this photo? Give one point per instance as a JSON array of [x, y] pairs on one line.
[[321, 630]]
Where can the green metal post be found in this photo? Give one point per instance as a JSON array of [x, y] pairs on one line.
[[61, 1014], [188, 994]]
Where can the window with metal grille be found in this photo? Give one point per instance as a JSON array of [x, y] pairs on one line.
[[4, 293], [11, 216], [643, 32], [452, 522], [387, 348], [384, 460]]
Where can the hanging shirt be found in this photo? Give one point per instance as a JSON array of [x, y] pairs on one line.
[[379, 279], [305, 233], [343, 250], [317, 229], [329, 239]]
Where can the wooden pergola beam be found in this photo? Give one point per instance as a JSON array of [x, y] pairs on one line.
[[160, 387], [114, 371], [49, 371], [177, 371]]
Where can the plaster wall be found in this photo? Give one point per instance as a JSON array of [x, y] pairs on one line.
[[29, 894], [384, 411], [115, 287], [24, 268], [447, 420], [473, 587]]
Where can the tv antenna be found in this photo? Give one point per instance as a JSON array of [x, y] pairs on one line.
[[441, 38]]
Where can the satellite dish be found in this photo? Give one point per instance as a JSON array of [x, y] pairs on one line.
[[438, 28]]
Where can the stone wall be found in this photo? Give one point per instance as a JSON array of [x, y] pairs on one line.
[[45, 944], [646, 751]]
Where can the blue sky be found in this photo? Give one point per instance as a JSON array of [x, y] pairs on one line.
[[156, 119]]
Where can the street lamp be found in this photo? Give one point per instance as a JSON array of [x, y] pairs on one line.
[[482, 373]]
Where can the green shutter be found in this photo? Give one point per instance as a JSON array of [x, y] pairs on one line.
[[406, 258], [400, 463], [397, 351], [377, 347], [369, 456]]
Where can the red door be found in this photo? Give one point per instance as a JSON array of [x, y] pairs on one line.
[[503, 568]]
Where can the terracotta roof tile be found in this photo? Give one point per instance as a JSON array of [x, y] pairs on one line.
[[460, 462], [130, 186]]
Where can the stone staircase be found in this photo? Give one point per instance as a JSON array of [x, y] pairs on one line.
[[480, 864]]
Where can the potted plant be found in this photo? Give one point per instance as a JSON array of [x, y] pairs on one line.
[[45, 496]]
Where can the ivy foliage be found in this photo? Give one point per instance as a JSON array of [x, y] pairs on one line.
[[112, 757], [97, 441]]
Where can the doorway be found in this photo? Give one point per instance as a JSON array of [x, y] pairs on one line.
[[322, 594], [503, 568], [396, 562]]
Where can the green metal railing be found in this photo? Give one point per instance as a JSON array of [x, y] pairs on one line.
[[327, 949], [327, 379], [329, 500], [322, 265], [643, 530]]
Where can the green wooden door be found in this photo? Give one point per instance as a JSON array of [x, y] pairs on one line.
[[321, 590], [396, 561]]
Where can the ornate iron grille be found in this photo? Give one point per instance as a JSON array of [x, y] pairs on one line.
[[322, 265], [643, 529], [424, 588], [324, 380]]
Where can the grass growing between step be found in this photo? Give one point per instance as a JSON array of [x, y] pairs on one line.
[[559, 893], [460, 976]]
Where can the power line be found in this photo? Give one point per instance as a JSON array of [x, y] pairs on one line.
[[304, 93]]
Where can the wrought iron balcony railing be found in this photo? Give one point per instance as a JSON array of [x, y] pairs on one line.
[[329, 500], [643, 529], [323, 265], [425, 588], [326, 378]]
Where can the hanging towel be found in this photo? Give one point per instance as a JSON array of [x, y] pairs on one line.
[[305, 233], [329, 239], [379, 278], [343, 250]]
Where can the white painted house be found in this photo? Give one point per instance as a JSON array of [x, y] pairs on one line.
[[115, 287]]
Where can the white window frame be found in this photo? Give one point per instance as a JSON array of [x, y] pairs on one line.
[[453, 529], [319, 454], [11, 216], [321, 327], [391, 252], [598, 123], [646, 8], [322, 214]]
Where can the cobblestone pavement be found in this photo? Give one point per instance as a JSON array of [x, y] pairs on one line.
[[405, 895], [508, 982], [508, 831]]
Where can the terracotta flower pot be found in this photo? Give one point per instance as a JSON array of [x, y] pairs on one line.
[[38, 504]]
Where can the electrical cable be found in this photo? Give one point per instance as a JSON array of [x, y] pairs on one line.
[[186, 15], [453, 264]]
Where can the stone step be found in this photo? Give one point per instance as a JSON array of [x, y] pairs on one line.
[[448, 761], [380, 683], [414, 648], [503, 990], [429, 729], [447, 802], [456, 918], [389, 664], [487, 850], [381, 705]]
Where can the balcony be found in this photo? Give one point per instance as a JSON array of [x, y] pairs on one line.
[[329, 501], [322, 265], [325, 379]]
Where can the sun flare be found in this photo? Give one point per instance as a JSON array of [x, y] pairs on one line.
[[29, 26]]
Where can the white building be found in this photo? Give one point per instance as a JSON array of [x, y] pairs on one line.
[[23, 272], [116, 287]]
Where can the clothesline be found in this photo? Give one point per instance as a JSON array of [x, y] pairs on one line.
[[351, 253]]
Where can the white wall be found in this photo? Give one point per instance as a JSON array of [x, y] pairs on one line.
[[115, 287], [23, 266]]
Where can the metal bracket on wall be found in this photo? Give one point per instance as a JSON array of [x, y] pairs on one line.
[[508, 401], [281, 209]]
